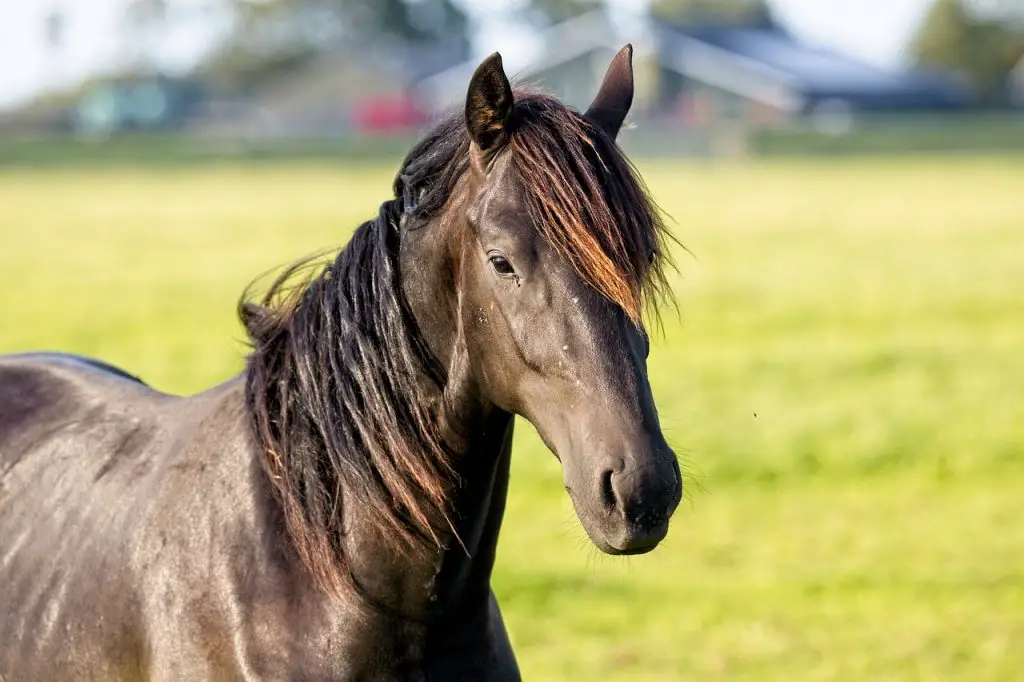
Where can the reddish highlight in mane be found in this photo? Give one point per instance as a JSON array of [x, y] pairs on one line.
[[587, 201]]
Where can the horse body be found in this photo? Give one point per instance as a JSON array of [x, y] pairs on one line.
[[134, 509], [332, 513]]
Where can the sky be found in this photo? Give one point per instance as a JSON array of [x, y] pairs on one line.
[[875, 31]]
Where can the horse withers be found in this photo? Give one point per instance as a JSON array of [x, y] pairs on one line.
[[332, 513]]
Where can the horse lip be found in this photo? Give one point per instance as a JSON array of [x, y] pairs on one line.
[[644, 548], [634, 543]]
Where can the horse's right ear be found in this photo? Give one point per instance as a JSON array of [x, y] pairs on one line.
[[256, 319], [488, 104]]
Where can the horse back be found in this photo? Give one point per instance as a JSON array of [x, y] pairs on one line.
[[85, 451], [139, 539], [42, 394]]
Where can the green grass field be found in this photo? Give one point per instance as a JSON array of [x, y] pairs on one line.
[[845, 382]]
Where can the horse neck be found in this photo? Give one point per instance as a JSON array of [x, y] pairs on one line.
[[464, 580], [453, 578], [449, 583]]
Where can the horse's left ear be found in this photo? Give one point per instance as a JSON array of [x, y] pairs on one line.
[[488, 103], [609, 108]]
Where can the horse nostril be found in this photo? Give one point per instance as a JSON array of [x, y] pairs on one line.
[[608, 491]]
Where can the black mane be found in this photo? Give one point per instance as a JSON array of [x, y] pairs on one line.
[[343, 395]]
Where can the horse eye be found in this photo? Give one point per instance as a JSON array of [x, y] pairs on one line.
[[501, 266], [650, 259]]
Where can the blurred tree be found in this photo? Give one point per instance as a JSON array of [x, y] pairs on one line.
[[412, 20], [147, 10], [276, 35], [982, 40], [754, 13], [555, 11], [54, 29], [1005, 11], [731, 12], [144, 21]]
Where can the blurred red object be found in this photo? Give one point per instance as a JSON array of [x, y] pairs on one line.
[[387, 113]]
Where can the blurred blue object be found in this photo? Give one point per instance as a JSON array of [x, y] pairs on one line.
[[141, 104]]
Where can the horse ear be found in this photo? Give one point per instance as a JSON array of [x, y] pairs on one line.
[[615, 96], [488, 103], [256, 319]]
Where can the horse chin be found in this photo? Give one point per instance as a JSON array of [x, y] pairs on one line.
[[616, 538], [630, 544]]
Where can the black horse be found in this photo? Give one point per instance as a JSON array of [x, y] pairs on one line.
[[333, 512]]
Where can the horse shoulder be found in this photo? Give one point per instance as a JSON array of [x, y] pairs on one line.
[[250, 605], [63, 534], [158, 520]]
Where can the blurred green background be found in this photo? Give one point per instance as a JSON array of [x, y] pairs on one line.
[[844, 383]]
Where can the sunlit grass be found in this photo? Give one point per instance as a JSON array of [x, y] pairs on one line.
[[845, 383]]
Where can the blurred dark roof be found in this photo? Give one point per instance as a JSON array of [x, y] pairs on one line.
[[763, 63], [818, 74]]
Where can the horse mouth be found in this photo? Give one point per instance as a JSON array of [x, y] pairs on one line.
[[628, 541], [621, 537], [639, 543], [630, 550]]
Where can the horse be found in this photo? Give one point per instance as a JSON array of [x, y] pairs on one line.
[[332, 512]]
